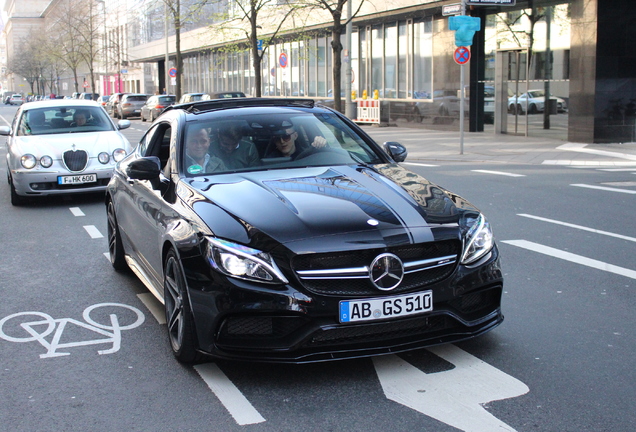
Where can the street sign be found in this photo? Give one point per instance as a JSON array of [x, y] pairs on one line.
[[172, 72], [282, 60], [452, 9], [491, 2], [462, 55]]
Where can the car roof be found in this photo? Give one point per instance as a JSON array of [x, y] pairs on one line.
[[220, 104], [60, 103]]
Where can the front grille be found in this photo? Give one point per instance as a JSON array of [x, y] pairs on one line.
[[362, 285], [75, 160], [389, 330], [257, 327]]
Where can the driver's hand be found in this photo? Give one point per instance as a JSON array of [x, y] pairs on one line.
[[319, 142]]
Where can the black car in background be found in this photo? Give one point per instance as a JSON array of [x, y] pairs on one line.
[[330, 251]]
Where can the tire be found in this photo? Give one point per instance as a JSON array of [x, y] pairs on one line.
[[16, 200], [178, 313], [115, 246], [143, 119], [532, 109]]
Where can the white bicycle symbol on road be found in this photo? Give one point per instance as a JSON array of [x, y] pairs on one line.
[[56, 327]]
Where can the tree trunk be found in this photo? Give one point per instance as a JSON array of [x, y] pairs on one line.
[[337, 63]]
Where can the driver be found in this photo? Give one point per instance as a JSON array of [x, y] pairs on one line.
[[284, 144]]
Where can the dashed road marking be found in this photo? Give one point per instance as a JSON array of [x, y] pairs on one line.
[[605, 188], [229, 395], [93, 231], [499, 173], [567, 256], [76, 211]]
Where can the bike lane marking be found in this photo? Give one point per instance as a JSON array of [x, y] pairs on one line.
[[229, 395], [455, 397]]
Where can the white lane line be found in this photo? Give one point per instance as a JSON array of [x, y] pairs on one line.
[[567, 256], [499, 173], [586, 164], [604, 188], [230, 396], [154, 306], [76, 211], [419, 164], [616, 169], [579, 227], [93, 231]]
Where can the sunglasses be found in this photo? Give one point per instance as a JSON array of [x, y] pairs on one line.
[[287, 136]]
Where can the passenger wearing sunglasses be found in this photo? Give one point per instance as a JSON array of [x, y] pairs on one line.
[[233, 150], [285, 145]]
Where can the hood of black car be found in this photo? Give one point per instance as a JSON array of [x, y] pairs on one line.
[[383, 204]]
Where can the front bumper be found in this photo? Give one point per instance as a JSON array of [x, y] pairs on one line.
[[39, 182], [237, 320]]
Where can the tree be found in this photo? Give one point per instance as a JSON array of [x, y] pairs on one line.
[[335, 9], [88, 28]]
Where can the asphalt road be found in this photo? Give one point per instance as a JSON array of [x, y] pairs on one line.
[[83, 348]]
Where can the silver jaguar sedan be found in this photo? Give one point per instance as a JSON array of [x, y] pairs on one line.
[[61, 147]]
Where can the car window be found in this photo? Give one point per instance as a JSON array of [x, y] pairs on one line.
[[56, 120], [156, 142], [167, 99], [136, 98], [319, 140]]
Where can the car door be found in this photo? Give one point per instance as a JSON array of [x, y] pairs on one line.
[[140, 213]]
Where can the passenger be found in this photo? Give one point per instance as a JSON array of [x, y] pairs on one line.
[[233, 150], [80, 118], [198, 160], [284, 144], [37, 121]]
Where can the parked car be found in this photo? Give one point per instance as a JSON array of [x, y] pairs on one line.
[[89, 96], [336, 251], [103, 100], [130, 105], [50, 153], [223, 95], [16, 99], [533, 102], [444, 103], [191, 97], [154, 105], [113, 102]]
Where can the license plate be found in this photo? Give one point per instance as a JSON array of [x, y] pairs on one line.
[[386, 307], [77, 179]]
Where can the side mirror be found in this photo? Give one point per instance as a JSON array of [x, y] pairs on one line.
[[396, 150], [147, 168], [123, 124], [5, 130]]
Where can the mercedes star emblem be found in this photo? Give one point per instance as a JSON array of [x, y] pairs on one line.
[[386, 271]]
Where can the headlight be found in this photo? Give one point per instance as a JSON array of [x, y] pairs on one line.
[[46, 161], [242, 262], [103, 158], [119, 154], [479, 240], [28, 161]]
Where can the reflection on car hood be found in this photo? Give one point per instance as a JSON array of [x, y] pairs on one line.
[[55, 144], [384, 204]]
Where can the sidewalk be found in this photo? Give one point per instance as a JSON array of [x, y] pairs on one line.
[[431, 145]]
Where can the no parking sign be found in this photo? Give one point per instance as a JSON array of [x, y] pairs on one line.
[[462, 55], [282, 60]]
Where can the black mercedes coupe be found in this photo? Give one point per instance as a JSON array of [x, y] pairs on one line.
[[277, 230]]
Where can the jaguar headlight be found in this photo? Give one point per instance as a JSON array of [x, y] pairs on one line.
[[119, 154], [46, 161], [243, 262], [28, 161], [103, 158], [479, 240]]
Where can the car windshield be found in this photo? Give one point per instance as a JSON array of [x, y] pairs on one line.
[[140, 98], [536, 93], [167, 99], [68, 119], [272, 141]]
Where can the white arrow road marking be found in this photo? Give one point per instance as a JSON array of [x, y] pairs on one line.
[[454, 397], [230, 396], [567, 256]]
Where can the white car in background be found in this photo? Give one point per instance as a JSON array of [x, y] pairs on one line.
[[51, 150], [532, 102]]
